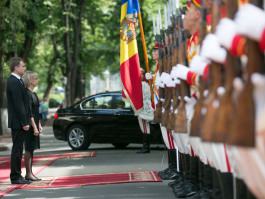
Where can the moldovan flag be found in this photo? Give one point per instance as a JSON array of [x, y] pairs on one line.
[[129, 58]]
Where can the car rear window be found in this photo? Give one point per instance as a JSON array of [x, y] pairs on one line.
[[120, 103], [106, 102], [99, 102]]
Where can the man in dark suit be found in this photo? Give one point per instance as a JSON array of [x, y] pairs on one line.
[[18, 116]]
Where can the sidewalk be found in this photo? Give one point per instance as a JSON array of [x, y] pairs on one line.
[[5, 141]]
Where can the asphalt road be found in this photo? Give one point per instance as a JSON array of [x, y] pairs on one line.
[[107, 160]]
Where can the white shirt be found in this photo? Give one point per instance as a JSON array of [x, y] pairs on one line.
[[16, 75]]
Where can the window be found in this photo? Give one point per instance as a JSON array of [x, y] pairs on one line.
[[88, 104], [100, 102], [119, 103]]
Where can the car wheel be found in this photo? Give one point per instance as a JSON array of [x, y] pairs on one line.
[[120, 145], [77, 137]]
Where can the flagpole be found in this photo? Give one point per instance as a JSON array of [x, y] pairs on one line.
[[145, 54], [143, 43]]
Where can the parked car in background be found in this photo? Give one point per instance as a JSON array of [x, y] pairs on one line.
[[100, 118]]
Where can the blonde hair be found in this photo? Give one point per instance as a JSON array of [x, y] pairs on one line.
[[27, 77]]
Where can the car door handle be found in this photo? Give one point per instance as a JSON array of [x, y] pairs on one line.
[[88, 116], [117, 114]]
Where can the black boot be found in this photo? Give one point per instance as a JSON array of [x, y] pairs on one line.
[[227, 185], [171, 173], [216, 184], [146, 144], [184, 169], [179, 179], [250, 195], [206, 186], [190, 185], [186, 165], [241, 189], [194, 171], [208, 183], [172, 163]]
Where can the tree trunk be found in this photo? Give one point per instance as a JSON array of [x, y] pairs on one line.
[[72, 50], [79, 86], [51, 68], [28, 43], [1, 90], [67, 46], [48, 90], [77, 46], [1, 71]]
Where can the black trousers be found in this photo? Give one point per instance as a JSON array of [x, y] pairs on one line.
[[16, 153]]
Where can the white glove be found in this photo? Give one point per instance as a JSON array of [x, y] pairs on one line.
[[176, 81], [163, 79], [212, 50], [173, 73], [220, 91], [238, 84], [169, 81], [226, 32], [180, 71], [148, 76], [198, 64], [250, 21], [190, 102], [258, 80]]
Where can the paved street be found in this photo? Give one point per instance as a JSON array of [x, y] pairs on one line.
[[107, 160]]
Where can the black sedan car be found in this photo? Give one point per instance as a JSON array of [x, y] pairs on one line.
[[100, 118]]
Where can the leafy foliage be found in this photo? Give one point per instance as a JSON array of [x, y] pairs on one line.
[[100, 34]]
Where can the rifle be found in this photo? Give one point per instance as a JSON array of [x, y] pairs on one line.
[[173, 61], [181, 117], [243, 131], [175, 104], [166, 103], [167, 69], [212, 101], [161, 91], [195, 129], [158, 110], [169, 109], [168, 93], [226, 116], [175, 91]]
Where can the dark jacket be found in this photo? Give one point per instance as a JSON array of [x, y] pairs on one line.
[[17, 104], [34, 106]]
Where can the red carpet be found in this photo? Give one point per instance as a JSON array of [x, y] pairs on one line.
[[94, 179], [40, 162]]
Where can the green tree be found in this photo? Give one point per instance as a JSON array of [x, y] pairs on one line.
[[66, 39]]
